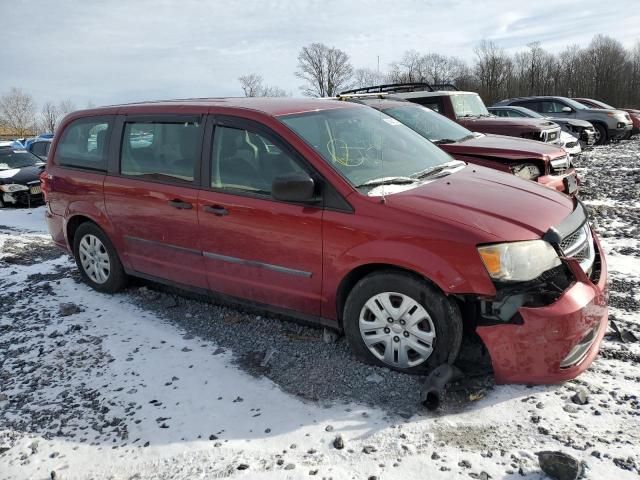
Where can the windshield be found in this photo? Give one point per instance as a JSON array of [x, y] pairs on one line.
[[10, 158], [573, 104], [366, 145], [429, 124], [468, 105]]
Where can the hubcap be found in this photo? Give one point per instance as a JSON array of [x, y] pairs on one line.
[[397, 329], [94, 258]]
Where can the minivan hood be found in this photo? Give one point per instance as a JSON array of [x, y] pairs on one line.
[[502, 146], [498, 203], [521, 122]]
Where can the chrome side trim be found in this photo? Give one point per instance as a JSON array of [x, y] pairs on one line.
[[225, 258], [253, 263], [162, 244]]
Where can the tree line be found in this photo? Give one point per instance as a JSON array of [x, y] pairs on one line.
[[604, 70], [19, 115]]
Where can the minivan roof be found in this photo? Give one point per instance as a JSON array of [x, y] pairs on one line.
[[268, 105]]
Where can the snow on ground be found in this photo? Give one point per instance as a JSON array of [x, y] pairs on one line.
[[153, 383]]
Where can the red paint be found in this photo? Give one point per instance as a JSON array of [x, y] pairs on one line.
[[432, 230], [532, 352]]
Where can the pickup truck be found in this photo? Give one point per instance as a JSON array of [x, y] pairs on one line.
[[468, 110]]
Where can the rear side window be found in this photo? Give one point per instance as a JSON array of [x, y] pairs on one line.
[[432, 103], [84, 144], [532, 105], [164, 151]]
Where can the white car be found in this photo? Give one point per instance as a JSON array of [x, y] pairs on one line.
[[571, 145]]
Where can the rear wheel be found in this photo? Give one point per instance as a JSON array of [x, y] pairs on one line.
[[399, 321], [97, 259], [600, 134]]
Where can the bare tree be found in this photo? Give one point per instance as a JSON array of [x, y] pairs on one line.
[[18, 111], [365, 77], [48, 117], [253, 86], [66, 106], [492, 69], [326, 70]]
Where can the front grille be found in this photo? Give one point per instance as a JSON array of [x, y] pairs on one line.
[[571, 144], [579, 246]]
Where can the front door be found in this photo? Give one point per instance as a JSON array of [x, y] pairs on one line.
[[152, 199], [255, 247]]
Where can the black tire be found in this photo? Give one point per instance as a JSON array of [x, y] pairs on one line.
[[602, 131], [444, 314], [117, 278]]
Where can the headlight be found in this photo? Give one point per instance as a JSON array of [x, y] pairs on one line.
[[528, 171], [13, 187], [518, 261]]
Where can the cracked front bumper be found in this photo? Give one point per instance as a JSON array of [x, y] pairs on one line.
[[556, 342], [566, 182]]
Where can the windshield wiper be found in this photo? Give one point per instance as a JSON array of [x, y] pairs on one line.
[[429, 172], [387, 181], [444, 140]]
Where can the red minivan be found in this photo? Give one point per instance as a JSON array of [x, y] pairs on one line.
[[334, 213]]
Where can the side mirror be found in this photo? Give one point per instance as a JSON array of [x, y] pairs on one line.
[[294, 187], [567, 109]]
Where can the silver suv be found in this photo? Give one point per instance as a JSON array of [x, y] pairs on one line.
[[608, 124]]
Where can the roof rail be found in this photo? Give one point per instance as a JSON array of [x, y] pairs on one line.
[[392, 88], [445, 87]]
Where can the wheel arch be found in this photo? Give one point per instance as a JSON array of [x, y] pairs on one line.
[[358, 273]]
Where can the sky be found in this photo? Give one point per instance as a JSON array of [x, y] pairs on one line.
[[107, 52]]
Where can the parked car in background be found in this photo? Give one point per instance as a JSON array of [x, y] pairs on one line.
[[39, 146], [19, 176], [609, 124], [633, 112], [571, 145], [467, 109], [528, 159], [581, 129], [335, 213]]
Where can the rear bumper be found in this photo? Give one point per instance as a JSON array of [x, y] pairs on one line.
[[569, 330], [561, 182], [55, 223]]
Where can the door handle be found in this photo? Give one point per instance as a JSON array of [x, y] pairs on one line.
[[180, 205], [216, 210]]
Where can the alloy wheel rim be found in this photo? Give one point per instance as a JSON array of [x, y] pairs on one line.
[[94, 259], [397, 329]]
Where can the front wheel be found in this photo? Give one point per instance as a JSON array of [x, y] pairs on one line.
[[97, 259], [399, 321], [600, 134]]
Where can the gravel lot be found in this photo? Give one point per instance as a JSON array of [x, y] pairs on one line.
[[208, 388]]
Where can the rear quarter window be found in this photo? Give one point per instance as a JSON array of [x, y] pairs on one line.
[[84, 144]]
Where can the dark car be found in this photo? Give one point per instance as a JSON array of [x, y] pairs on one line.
[[467, 109], [634, 113], [19, 177], [581, 129], [334, 213], [609, 124], [528, 159]]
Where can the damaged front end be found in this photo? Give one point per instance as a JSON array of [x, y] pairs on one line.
[[548, 329]]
